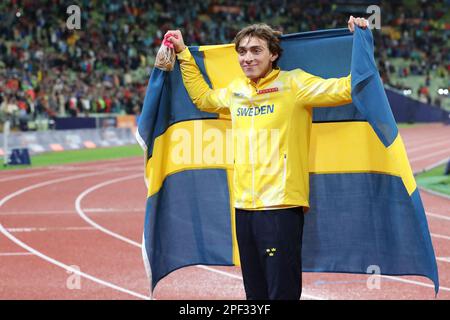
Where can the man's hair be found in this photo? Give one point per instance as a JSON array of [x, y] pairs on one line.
[[264, 32]]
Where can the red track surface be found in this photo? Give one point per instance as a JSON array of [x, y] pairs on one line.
[[91, 216]]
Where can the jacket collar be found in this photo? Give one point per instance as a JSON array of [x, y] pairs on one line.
[[266, 80]]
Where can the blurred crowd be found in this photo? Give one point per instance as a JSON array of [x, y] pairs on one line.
[[419, 37], [47, 70]]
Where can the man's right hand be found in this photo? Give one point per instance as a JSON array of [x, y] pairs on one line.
[[176, 38]]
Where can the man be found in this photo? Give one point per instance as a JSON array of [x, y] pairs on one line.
[[271, 191]]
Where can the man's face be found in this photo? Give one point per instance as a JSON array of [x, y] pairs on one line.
[[255, 58]]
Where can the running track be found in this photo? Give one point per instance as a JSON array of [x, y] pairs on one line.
[[90, 217]]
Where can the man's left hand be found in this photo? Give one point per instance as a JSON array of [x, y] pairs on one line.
[[360, 22]]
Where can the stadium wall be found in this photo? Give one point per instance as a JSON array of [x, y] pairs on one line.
[[59, 140], [411, 111]]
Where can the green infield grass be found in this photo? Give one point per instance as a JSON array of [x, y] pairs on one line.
[[83, 155], [435, 180]]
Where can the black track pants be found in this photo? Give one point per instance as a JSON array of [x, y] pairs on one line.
[[270, 243]]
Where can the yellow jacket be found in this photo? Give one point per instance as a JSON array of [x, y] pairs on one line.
[[271, 123]]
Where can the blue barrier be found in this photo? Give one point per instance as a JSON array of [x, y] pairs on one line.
[[70, 123], [19, 156], [75, 123], [408, 110]]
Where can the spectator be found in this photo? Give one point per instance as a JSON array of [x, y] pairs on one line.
[[118, 41]]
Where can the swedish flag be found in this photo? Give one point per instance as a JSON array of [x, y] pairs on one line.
[[365, 206]]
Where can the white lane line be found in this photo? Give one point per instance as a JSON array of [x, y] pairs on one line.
[[437, 216], [68, 268], [60, 170], [237, 277], [434, 193], [415, 282], [440, 236], [91, 210], [413, 147], [91, 222], [109, 168], [436, 164], [13, 254], [43, 212], [43, 229], [55, 169], [444, 259], [234, 276], [103, 210], [420, 139], [430, 155], [136, 244], [89, 165], [46, 183], [49, 259], [17, 177], [427, 146], [224, 273]]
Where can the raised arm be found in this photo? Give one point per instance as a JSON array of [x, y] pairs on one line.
[[205, 98], [315, 91], [318, 92]]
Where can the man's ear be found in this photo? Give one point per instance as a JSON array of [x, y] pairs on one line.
[[274, 57]]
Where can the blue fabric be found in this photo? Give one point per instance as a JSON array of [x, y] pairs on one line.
[[312, 54], [188, 222], [355, 222], [368, 94], [166, 103]]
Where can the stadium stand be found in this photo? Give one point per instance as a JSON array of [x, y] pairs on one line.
[[47, 70]]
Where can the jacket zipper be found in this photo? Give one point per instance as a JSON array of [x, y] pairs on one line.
[[284, 171], [252, 161]]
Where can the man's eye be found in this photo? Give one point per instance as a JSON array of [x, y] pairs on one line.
[[241, 52]]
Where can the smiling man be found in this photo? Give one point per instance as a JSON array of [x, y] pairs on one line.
[[271, 193]]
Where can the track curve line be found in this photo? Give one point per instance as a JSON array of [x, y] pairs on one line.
[[138, 245], [39, 254], [231, 275]]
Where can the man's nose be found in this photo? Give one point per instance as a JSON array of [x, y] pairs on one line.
[[248, 57]]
